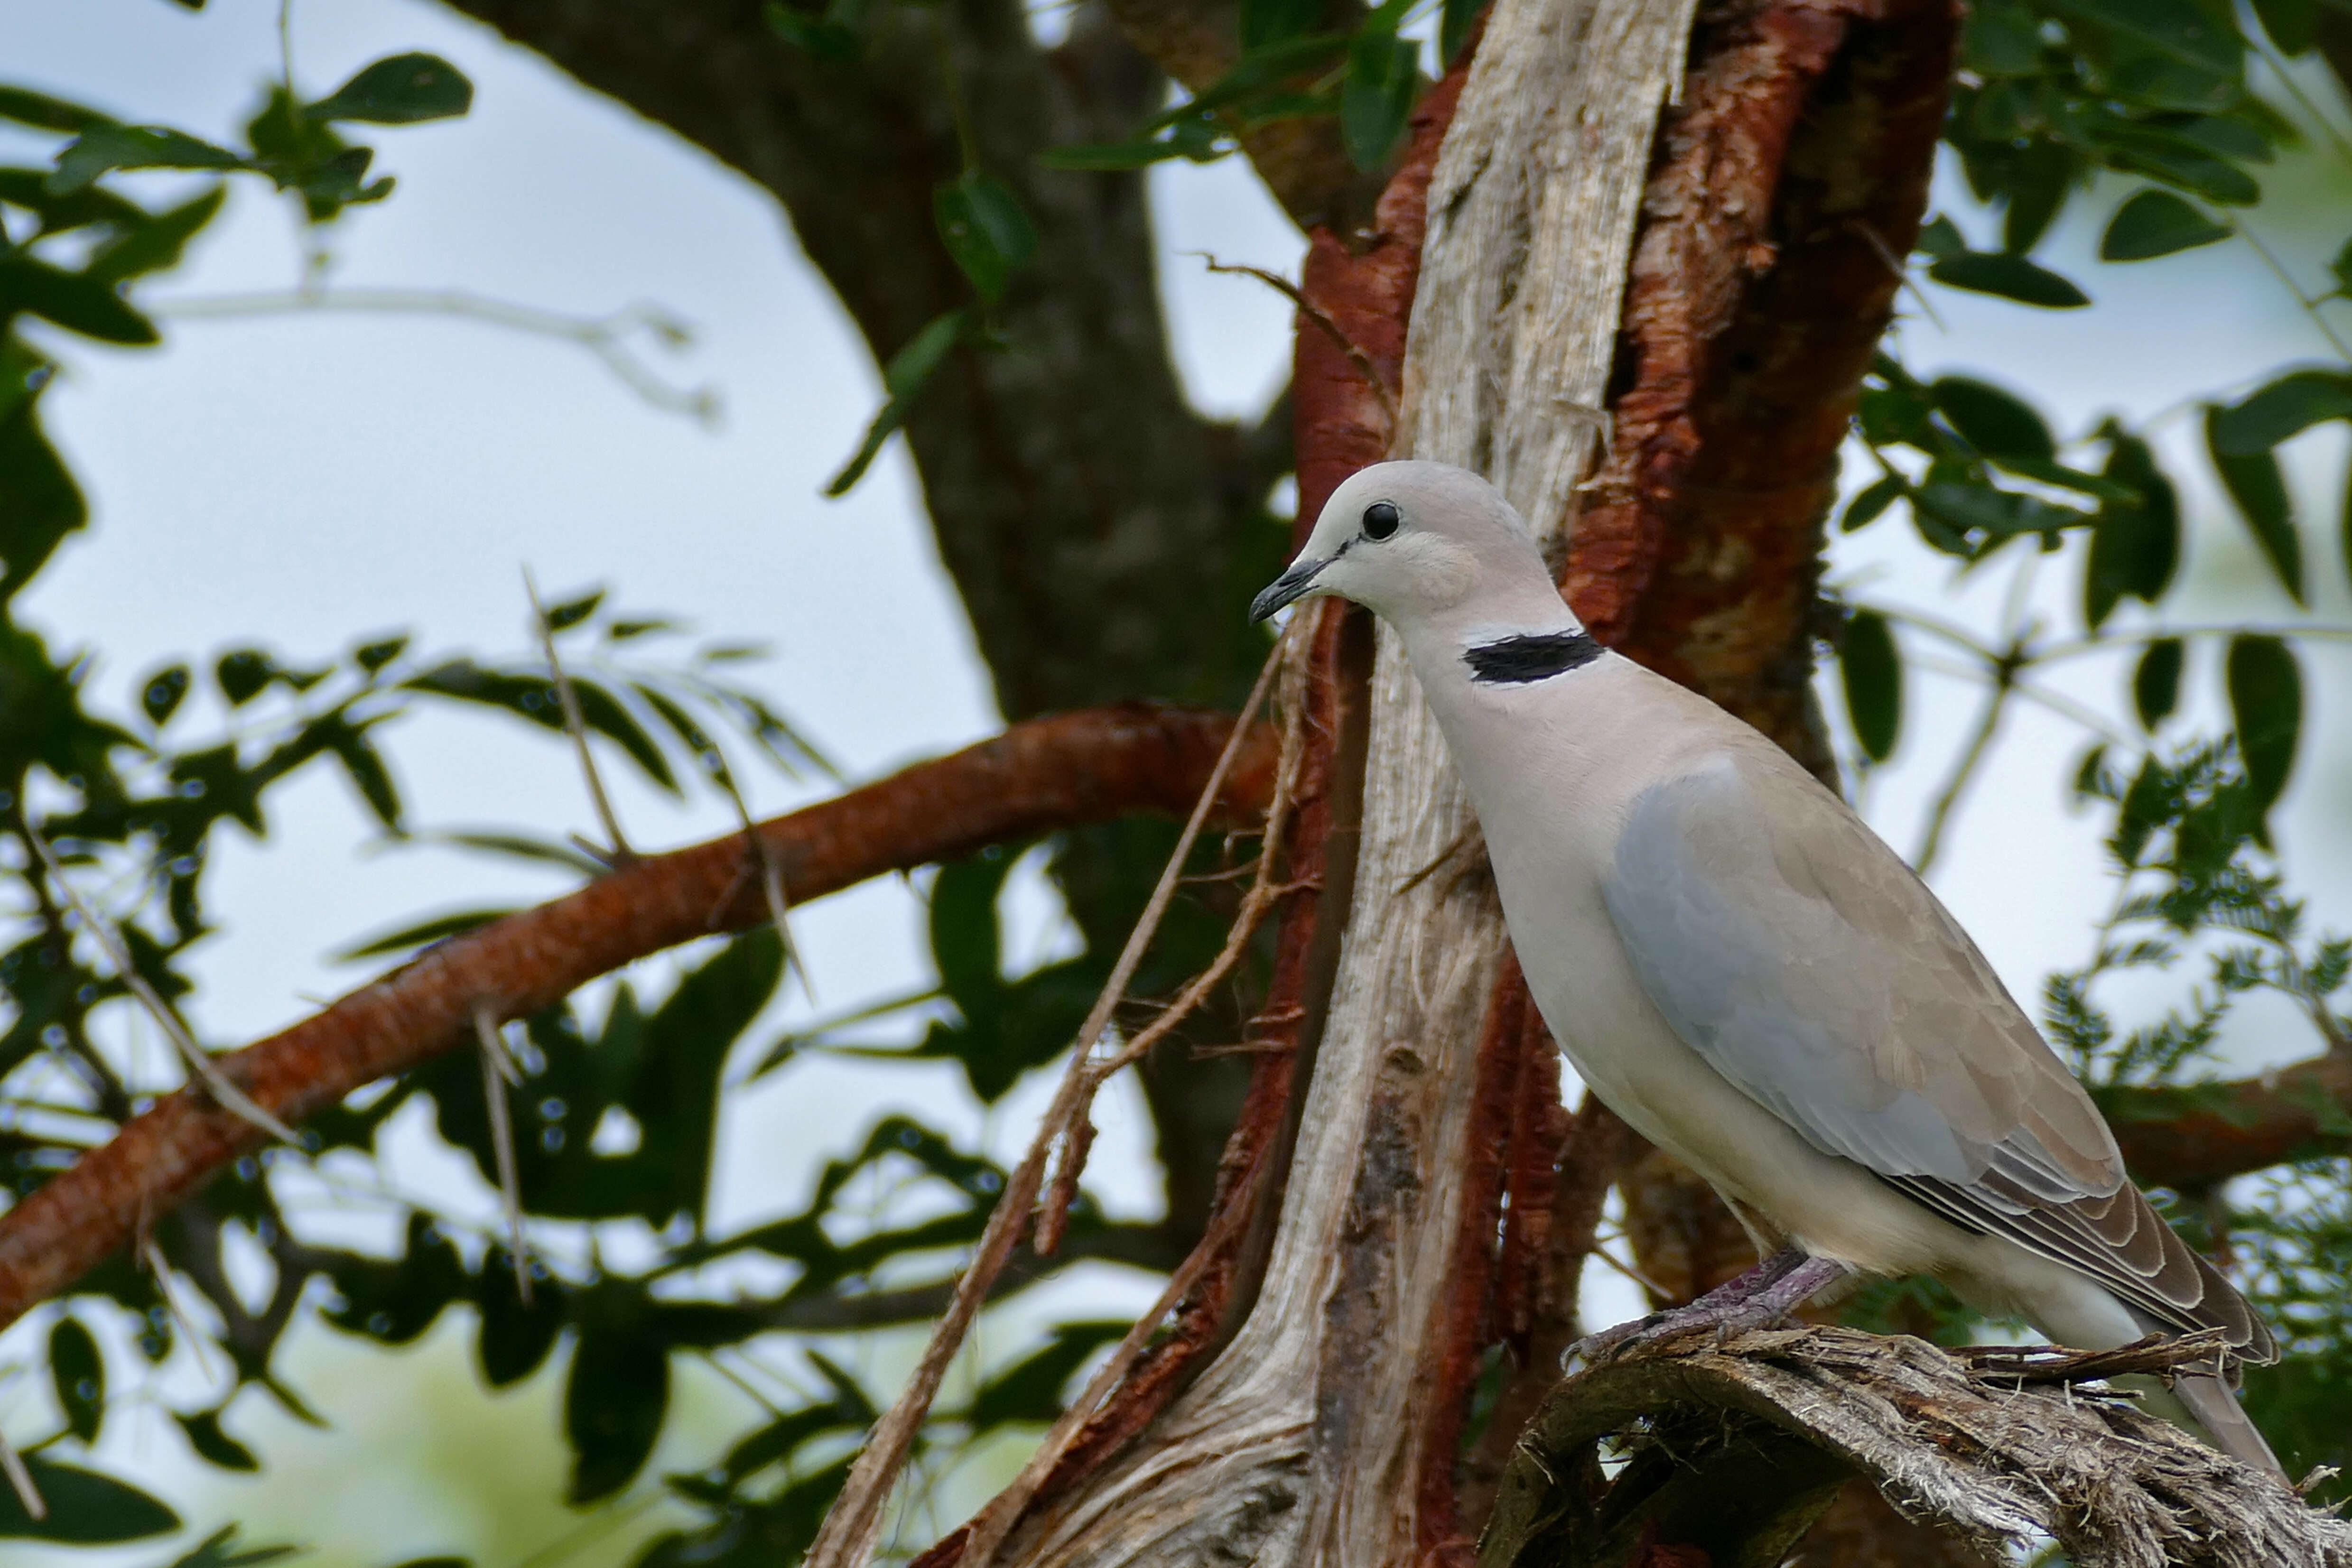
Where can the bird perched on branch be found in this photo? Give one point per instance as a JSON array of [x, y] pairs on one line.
[[1749, 976]]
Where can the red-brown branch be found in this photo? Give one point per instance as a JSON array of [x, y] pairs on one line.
[[2194, 1137], [1038, 777]]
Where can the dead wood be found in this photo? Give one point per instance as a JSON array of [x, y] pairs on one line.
[[1726, 1449]]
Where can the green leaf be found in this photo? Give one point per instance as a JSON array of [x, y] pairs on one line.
[[1377, 99], [439, 928], [2267, 706], [2282, 410], [2255, 484], [2178, 29], [43, 112], [1871, 667], [514, 1339], [2157, 222], [77, 1373], [109, 147], [684, 1043], [160, 697], [85, 1507], [375, 656], [535, 698], [966, 945], [1455, 19], [2135, 542], [213, 1445], [1264, 70], [1998, 515], [2039, 178], [614, 1404], [1265, 22], [826, 38], [902, 379], [365, 766], [544, 851], [242, 674], [2001, 41], [2293, 25], [2155, 682], [564, 616], [2009, 276], [156, 244], [1995, 422], [1871, 500], [79, 301], [1102, 157], [981, 222], [2341, 269], [399, 89], [219, 1550], [2178, 160]]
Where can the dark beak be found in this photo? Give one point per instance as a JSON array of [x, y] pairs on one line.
[[1285, 588]]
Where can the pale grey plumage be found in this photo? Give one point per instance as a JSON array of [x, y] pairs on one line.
[[1744, 970]]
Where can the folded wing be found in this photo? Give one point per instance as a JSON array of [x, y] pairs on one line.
[[1802, 959]]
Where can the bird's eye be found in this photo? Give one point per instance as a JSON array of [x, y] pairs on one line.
[[1381, 519]]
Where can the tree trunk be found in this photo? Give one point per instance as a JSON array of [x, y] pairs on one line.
[[1304, 1441]]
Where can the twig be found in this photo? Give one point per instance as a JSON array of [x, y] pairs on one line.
[[1005, 1511], [602, 336], [576, 725], [847, 1538], [151, 1256], [227, 1095], [1324, 322], [20, 1480], [497, 1071]]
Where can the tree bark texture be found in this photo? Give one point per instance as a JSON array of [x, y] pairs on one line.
[[1305, 1440], [1734, 1443]]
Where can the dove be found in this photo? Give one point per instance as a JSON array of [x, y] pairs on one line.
[[1739, 967]]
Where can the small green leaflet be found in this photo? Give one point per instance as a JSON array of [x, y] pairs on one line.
[[399, 89], [2255, 484], [2009, 277], [108, 147], [2155, 682], [2157, 222], [981, 222], [2282, 410], [1871, 667], [902, 380], [2266, 703]]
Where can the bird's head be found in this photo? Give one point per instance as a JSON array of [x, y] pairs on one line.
[[1416, 543]]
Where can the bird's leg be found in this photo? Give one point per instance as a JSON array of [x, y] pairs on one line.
[[1766, 1293]]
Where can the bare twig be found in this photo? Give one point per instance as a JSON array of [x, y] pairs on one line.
[[227, 1095], [1324, 322], [20, 1480], [576, 725], [497, 1072], [851, 1526], [151, 1256], [604, 336]]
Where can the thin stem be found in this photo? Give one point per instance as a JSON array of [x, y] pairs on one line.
[[575, 724], [2004, 680], [2287, 281], [602, 336], [497, 1071], [227, 1095]]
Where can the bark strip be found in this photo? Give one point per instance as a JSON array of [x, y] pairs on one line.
[[1035, 778]]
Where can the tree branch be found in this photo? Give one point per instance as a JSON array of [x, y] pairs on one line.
[[1738, 1442], [1035, 778], [2196, 1135]]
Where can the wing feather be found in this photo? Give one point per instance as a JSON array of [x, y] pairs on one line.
[[1802, 959]]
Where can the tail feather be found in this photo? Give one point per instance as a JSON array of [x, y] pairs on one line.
[[2214, 1404]]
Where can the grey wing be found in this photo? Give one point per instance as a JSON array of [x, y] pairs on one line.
[[1796, 953]]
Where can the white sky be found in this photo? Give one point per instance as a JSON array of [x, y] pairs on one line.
[[304, 482]]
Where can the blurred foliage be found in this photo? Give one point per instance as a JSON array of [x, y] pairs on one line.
[[615, 1110]]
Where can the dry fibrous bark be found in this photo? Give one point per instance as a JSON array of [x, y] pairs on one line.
[[1037, 778], [1735, 1441]]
